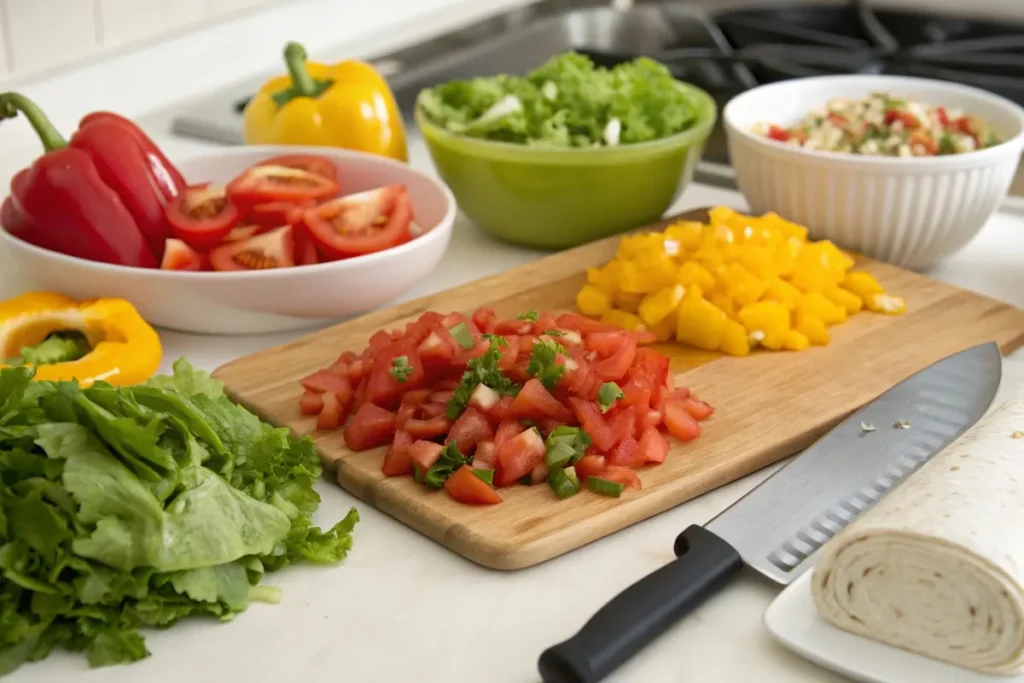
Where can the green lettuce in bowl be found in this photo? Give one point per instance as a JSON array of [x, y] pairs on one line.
[[569, 153]]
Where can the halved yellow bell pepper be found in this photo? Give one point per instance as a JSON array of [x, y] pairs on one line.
[[118, 346], [345, 105]]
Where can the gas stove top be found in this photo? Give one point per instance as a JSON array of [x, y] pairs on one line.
[[725, 51]]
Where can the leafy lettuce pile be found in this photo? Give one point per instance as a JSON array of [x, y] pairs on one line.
[[123, 508], [567, 102]]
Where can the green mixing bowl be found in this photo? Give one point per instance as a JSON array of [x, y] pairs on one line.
[[558, 198]]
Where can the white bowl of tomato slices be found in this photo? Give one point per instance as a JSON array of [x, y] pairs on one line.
[[272, 238]]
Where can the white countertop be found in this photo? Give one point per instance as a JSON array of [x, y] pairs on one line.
[[403, 608]]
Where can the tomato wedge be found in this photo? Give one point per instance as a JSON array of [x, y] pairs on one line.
[[519, 455], [202, 216], [680, 423], [313, 163], [534, 402], [180, 256], [272, 183], [274, 249], [242, 232], [276, 214], [466, 487], [622, 475], [397, 461], [370, 427], [361, 223], [470, 429]]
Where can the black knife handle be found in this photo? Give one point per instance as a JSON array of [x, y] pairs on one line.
[[639, 614]]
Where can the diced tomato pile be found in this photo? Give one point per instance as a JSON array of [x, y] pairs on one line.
[[474, 404], [285, 211]]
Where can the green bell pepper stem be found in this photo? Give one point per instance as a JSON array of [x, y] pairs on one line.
[[302, 82], [11, 103]]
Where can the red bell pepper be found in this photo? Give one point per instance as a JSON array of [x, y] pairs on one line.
[[63, 203], [130, 163]]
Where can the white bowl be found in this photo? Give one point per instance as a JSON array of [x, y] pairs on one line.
[[908, 211], [251, 302]]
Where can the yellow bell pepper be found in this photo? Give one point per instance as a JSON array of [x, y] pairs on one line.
[[813, 328], [657, 306], [815, 304], [114, 344], [700, 323], [862, 284], [622, 319], [344, 105], [767, 322], [885, 303], [592, 301], [735, 340]]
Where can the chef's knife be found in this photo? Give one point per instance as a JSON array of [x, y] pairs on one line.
[[781, 523]]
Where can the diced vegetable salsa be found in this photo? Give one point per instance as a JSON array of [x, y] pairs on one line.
[[474, 404], [731, 285], [883, 125]]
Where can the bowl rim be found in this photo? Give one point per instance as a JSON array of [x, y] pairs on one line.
[[707, 115], [438, 231], [976, 156]]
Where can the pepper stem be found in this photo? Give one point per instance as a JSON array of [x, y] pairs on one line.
[[11, 103], [302, 83]]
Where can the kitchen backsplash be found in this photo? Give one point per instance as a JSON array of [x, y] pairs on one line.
[[37, 36]]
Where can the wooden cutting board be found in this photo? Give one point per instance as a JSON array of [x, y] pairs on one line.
[[767, 406]]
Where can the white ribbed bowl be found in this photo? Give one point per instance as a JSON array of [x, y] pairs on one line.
[[908, 211]]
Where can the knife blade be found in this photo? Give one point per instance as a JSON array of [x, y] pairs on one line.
[[782, 523]]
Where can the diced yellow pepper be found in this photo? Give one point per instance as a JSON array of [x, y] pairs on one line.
[[688, 233], [693, 293], [592, 301], [633, 246], [693, 273], [785, 227], [756, 260], [735, 340], [631, 279], [786, 255], [628, 302], [848, 300], [700, 324], [886, 303], [656, 306], [812, 328], [748, 292], [862, 284], [781, 291], [604, 278], [658, 268], [815, 304], [767, 322], [622, 319], [724, 303], [795, 341], [666, 329]]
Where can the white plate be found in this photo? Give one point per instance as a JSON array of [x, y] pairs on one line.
[[795, 623]]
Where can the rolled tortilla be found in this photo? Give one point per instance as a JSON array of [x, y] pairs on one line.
[[936, 567]]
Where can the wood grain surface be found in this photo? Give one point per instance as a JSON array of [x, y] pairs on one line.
[[767, 406]]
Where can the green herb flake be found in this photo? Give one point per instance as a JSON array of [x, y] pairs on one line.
[[481, 370], [543, 363], [451, 459], [400, 368], [607, 395], [529, 316], [462, 336], [486, 476], [554, 333], [947, 145]]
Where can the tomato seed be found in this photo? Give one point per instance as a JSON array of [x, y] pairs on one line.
[[255, 260]]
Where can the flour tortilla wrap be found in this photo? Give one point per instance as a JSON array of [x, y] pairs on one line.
[[936, 567]]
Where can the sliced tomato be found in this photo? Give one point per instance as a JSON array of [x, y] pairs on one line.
[[396, 460], [425, 453], [416, 396], [623, 475], [272, 183], [518, 456], [466, 487], [361, 223], [679, 422], [431, 410], [485, 456], [202, 217], [406, 412], [304, 251], [637, 392], [485, 319], [276, 214], [442, 396], [626, 453], [242, 232], [430, 428], [180, 256], [648, 417], [623, 423], [590, 418], [534, 402], [582, 324], [313, 163], [437, 350], [370, 427], [274, 249], [614, 366], [484, 398], [502, 410], [697, 408], [470, 429], [330, 416], [778, 133], [654, 363], [539, 473], [311, 403], [508, 429], [326, 381], [385, 388], [504, 327], [653, 446], [590, 466]]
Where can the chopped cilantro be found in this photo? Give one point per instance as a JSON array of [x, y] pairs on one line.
[[554, 333], [400, 368], [529, 316], [461, 334], [607, 395], [481, 370], [947, 145], [450, 460], [542, 363], [501, 342]]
